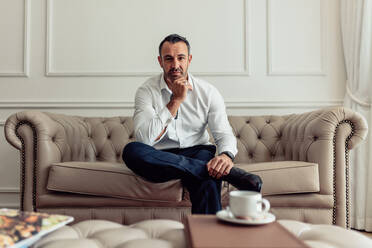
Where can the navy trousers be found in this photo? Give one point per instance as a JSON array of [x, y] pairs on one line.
[[187, 164]]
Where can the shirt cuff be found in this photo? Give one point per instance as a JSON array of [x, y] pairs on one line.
[[229, 154], [228, 148], [165, 116]]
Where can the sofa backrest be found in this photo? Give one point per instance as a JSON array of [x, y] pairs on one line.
[[258, 137], [109, 136]]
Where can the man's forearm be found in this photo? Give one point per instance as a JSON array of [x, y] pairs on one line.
[[161, 134], [151, 126], [173, 106]]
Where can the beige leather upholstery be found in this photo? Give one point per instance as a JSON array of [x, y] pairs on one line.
[[295, 176], [326, 236], [116, 180], [102, 234], [111, 180], [302, 158], [170, 234]]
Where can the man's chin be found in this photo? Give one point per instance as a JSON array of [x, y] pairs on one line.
[[174, 77]]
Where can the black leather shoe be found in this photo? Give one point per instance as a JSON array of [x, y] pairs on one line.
[[243, 180]]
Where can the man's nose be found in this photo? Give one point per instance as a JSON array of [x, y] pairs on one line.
[[175, 63]]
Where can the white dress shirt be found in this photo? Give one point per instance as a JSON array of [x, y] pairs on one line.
[[202, 107]]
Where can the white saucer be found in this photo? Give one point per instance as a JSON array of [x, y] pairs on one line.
[[263, 219]]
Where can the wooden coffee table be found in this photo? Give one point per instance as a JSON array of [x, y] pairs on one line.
[[206, 231]]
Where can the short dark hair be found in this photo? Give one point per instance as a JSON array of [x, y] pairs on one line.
[[174, 38]]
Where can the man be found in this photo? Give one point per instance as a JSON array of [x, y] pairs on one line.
[[172, 112]]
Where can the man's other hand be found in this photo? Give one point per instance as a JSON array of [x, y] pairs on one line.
[[220, 166]]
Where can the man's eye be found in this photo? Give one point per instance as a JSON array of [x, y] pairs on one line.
[[181, 58]]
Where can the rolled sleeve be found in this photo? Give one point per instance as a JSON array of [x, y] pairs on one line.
[[149, 123], [165, 116]]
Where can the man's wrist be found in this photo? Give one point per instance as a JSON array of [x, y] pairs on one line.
[[173, 106], [229, 154], [175, 99]]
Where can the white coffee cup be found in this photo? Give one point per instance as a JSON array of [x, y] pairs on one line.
[[247, 204]]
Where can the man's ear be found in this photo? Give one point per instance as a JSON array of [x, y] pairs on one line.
[[160, 61], [190, 58]]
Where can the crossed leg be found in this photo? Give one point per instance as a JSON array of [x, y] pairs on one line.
[[187, 164]]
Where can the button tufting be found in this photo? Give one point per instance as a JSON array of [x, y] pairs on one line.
[[268, 121], [103, 233], [247, 122], [259, 137], [315, 138]]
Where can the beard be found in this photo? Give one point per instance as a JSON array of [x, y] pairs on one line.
[[171, 75]]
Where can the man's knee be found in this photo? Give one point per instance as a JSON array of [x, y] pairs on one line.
[[131, 151]]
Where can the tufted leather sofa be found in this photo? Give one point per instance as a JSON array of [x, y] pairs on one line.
[[72, 165]]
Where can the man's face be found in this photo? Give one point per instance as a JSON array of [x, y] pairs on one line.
[[174, 60]]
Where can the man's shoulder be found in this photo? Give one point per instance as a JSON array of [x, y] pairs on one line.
[[203, 85], [151, 85], [152, 81]]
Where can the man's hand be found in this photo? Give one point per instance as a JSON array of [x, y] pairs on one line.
[[219, 166], [179, 88]]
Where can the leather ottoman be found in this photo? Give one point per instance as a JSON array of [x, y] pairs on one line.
[[170, 234]]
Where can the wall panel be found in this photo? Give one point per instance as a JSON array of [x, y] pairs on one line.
[[14, 43], [296, 37], [95, 37]]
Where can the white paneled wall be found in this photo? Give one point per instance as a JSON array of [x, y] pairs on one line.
[[119, 40], [88, 57], [296, 37], [14, 19]]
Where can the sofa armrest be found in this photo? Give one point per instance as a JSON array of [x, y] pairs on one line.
[[318, 136], [43, 139], [325, 137]]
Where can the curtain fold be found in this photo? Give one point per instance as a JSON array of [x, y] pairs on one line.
[[356, 30]]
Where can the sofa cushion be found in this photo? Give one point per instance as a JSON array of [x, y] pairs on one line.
[[111, 180], [285, 177]]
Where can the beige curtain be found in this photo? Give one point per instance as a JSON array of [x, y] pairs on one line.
[[356, 29]]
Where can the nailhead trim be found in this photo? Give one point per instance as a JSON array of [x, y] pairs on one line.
[[347, 192], [23, 164]]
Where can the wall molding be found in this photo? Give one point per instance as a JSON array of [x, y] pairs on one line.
[[9, 205], [26, 45], [126, 105], [9, 190], [282, 104], [49, 72], [109, 104], [323, 50]]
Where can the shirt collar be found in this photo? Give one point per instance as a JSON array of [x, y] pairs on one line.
[[163, 84]]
